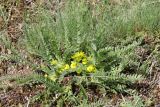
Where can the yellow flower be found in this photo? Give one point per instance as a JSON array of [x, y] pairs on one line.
[[53, 77], [81, 54], [91, 68], [78, 56], [63, 68], [66, 67], [73, 65], [54, 62], [84, 61], [45, 75]]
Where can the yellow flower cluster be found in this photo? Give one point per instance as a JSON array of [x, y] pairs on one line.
[[81, 57], [73, 65], [80, 62], [91, 68], [78, 56], [66, 67], [54, 62]]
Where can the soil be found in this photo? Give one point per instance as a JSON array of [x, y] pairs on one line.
[[20, 95]]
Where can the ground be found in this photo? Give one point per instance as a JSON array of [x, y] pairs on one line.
[[13, 94]]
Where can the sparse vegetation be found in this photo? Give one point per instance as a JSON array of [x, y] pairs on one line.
[[84, 53]]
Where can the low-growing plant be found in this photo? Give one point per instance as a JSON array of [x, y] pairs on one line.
[[87, 51], [136, 101], [83, 46], [80, 64]]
